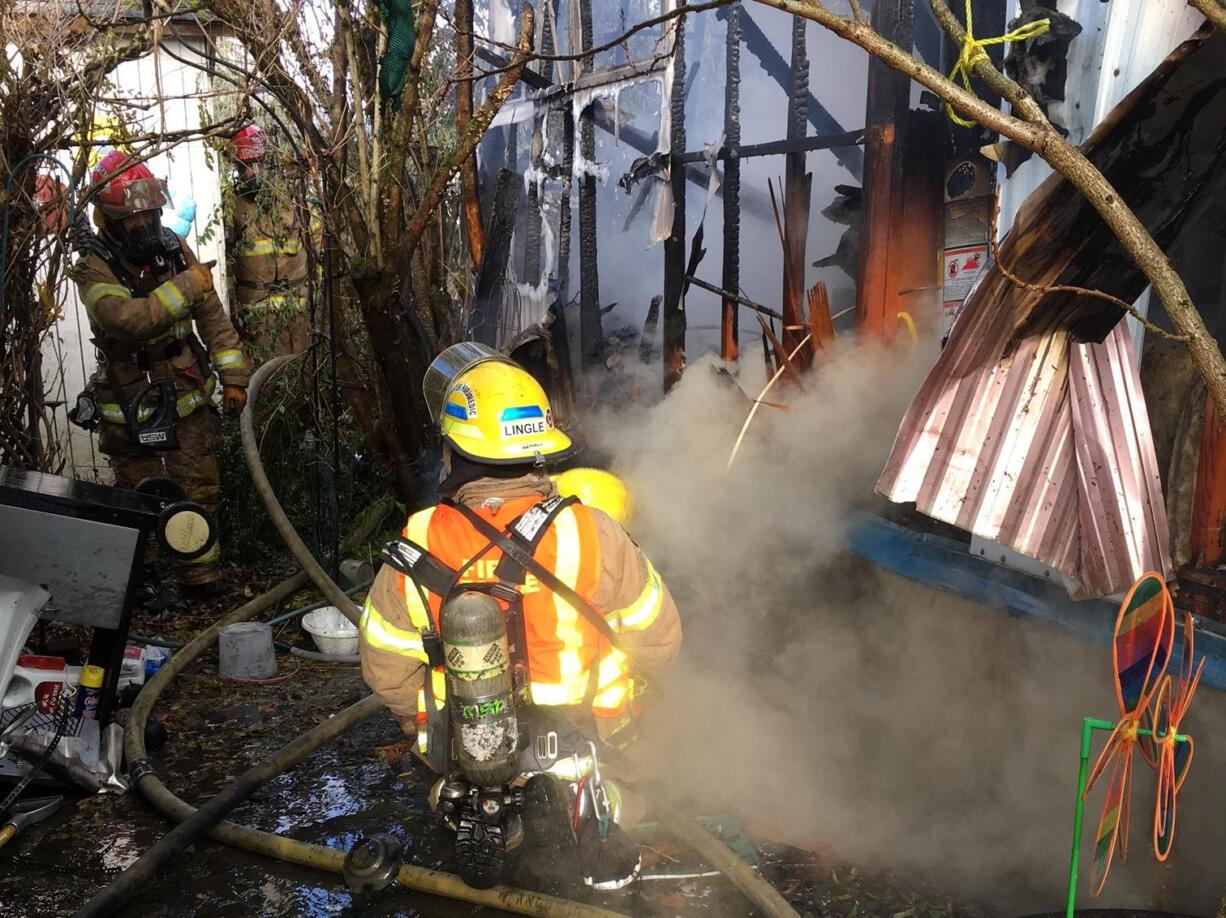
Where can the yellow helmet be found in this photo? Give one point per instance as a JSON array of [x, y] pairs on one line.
[[490, 409], [597, 488]]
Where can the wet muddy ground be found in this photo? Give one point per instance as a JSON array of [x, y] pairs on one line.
[[357, 785]]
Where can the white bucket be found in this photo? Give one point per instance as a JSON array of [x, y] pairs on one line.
[[331, 631], [245, 651]]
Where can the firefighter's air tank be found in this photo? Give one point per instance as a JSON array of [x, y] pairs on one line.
[[480, 691]]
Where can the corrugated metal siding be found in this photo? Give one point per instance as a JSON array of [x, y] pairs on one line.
[[1046, 448]]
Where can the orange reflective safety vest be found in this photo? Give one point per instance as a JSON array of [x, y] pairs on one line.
[[564, 659]]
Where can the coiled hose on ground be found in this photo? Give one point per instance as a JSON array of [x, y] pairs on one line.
[[264, 843]]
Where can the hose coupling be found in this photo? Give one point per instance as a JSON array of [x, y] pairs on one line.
[[140, 769]]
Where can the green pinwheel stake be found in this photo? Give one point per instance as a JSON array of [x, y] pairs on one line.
[[1141, 652]]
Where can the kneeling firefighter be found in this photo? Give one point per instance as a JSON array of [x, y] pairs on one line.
[[147, 296], [510, 623]]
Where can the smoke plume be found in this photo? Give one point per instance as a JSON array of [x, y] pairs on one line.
[[841, 707]]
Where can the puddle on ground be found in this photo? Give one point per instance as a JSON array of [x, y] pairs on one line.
[[338, 794]]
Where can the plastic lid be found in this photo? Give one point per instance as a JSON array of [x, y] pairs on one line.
[[35, 661], [92, 676]]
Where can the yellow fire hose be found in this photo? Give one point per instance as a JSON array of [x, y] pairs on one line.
[[290, 850]]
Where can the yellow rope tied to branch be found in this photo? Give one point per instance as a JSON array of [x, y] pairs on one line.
[[972, 53]]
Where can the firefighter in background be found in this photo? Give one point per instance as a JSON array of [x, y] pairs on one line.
[[498, 434], [267, 257], [147, 296]]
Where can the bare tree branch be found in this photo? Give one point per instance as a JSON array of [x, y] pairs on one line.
[[1214, 11], [450, 164]]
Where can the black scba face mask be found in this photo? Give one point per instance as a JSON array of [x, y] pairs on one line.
[[143, 242]]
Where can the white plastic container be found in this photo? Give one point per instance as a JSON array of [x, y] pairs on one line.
[[39, 679], [20, 604], [245, 651], [331, 631]]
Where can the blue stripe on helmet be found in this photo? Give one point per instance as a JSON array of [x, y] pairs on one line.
[[523, 411], [455, 411]]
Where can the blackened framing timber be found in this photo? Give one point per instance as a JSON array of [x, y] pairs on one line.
[[778, 147], [752, 201], [729, 336], [674, 245], [484, 316], [777, 69], [567, 123], [729, 296], [591, 334], [536, 157], [797, 186]]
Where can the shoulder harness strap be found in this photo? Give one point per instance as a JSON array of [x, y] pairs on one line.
[[516, 550], [527, 530]]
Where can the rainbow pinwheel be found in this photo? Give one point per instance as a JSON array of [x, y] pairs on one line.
[[1140, 652], [1169, 758]]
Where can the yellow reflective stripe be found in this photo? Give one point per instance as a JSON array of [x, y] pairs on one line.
[[555, 693], [423, 743], [209, 557], [258, 247], [230, 357], [571, 768], [95, 292], [612, 681], [570, 660], [173, 299], [111, 412], [190, 401], [184, 405], [177, 332], [640, 614], [380, 634], [417, 530]]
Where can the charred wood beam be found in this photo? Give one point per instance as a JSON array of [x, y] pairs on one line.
[[777, 147], [752, 202], [674, 245], [797, 188], [648, 336], [777, 69], [729, 326], [484, 316], [729, 296], [567, 123], [591, 334], [532, 235]]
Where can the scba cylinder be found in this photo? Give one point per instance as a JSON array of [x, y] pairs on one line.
[[480, 691]]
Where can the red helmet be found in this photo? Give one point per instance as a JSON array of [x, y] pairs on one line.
[[129, 189], [50, 197], [249, 145]]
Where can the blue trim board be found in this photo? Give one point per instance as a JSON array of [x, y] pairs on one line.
[[946, 565]]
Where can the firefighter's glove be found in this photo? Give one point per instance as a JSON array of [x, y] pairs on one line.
[[235, 398], [196, 282]]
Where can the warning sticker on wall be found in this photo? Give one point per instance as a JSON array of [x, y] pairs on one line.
[[963, 265]]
